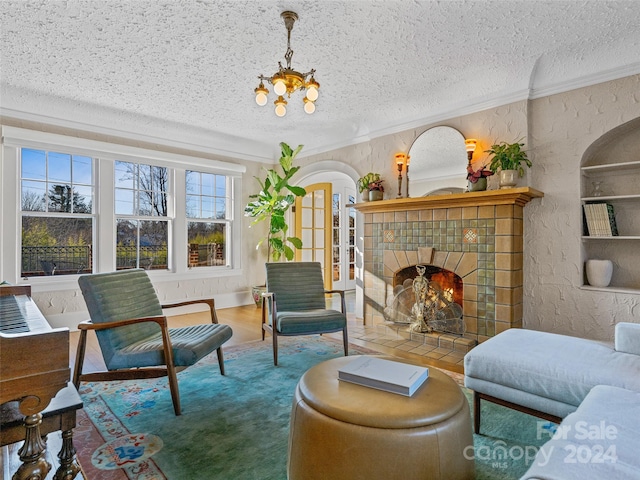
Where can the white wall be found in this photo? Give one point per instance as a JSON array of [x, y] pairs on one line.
[[557, 130]]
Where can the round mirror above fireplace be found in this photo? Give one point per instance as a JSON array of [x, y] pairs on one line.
[[438, 161]]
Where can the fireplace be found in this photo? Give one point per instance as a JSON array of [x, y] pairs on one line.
[[477, 236]]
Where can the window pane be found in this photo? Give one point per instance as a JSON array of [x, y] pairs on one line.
[[193, 208], [154, 238], [82, 170], [33, 196], [141, 244], [60, 198], [144, 203], [34, 164], [59, 170], [209, 192], [207, 244], [124, 174], [221, 209], [221, 186], [193, 182], [124, 202], [208, 184], [56, 246], [82, 199]]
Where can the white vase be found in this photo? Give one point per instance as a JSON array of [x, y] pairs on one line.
[[508, 178], [599, 272]]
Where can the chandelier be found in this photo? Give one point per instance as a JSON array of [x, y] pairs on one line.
[[287, 80]]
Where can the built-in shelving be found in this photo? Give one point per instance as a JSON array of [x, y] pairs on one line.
[[619, 185]]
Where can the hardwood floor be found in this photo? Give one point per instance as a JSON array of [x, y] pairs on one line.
[[246, 324]]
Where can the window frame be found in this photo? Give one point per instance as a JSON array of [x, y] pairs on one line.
[[105, 155]]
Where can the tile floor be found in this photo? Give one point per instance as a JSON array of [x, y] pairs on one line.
[[447, 351]]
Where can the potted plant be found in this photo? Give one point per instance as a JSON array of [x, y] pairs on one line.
[[271, 204], [364, 182], [376, 190], [509, 159], [477, 179]]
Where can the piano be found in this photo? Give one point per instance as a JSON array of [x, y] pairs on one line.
[[34, 367]]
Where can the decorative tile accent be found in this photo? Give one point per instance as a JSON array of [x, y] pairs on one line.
[[389, 236], [470, 235]]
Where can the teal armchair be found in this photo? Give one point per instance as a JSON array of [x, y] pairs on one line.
[[295, 304], [133, 333]]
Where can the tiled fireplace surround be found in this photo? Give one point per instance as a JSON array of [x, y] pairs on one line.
[[477, 235]]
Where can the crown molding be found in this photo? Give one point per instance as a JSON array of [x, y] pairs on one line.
[[198, 141], [586, 81]]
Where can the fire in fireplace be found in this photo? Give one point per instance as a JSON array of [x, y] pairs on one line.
[[427, 298]]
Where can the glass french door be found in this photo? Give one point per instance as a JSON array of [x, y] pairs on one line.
[[327, 226], [313, 226], [343, 237]]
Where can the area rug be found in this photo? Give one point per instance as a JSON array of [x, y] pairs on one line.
[[235, 427]]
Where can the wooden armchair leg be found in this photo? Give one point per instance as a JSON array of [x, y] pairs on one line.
[[173, 387], [275, 347], [79, 364], [220, 360], [345, 340], [476, 412]]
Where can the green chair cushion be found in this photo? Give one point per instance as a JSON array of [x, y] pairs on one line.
[[310, 321], [190, 344]]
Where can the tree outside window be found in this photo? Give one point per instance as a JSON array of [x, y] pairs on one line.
[[56, 191], [208, 213], [142, 217]]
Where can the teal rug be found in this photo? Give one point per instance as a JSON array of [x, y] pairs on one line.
[[236, 427]]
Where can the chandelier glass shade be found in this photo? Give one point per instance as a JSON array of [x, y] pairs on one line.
[[286, 80]]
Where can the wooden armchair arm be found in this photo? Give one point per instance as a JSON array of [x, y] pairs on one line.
[[268, 298], [209, 301], [341, 292], [343, 304], [89, 325]]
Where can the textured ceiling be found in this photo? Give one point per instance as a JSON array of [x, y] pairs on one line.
[[187, 69]]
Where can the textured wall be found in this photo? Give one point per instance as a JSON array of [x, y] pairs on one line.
[[562, 127], [558, 131]]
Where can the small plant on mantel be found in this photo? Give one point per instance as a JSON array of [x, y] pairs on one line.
[[365, 182], [376, 185], [474, 175], [508, 156], [273, 201]]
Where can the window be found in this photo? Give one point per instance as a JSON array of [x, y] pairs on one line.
[[208, 214], [72, 205], [56, 203], [142, 216]]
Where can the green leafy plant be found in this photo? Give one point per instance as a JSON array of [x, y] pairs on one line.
[[367, 180], [273, 201], [508, 156]]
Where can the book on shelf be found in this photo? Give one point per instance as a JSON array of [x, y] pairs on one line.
[[381, 374], [600, 219]]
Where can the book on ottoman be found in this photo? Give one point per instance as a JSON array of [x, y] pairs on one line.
[[387, 375]]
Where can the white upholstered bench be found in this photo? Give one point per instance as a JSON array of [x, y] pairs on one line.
[[549, 375]]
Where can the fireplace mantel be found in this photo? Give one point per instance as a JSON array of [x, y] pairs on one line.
[[476, 235], [510, 196]]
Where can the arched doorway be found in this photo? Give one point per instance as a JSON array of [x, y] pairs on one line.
[[329, 224]]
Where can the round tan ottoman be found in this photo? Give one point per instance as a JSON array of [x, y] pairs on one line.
[[344, 431]]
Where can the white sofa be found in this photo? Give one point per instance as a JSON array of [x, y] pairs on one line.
[[552, 376]]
